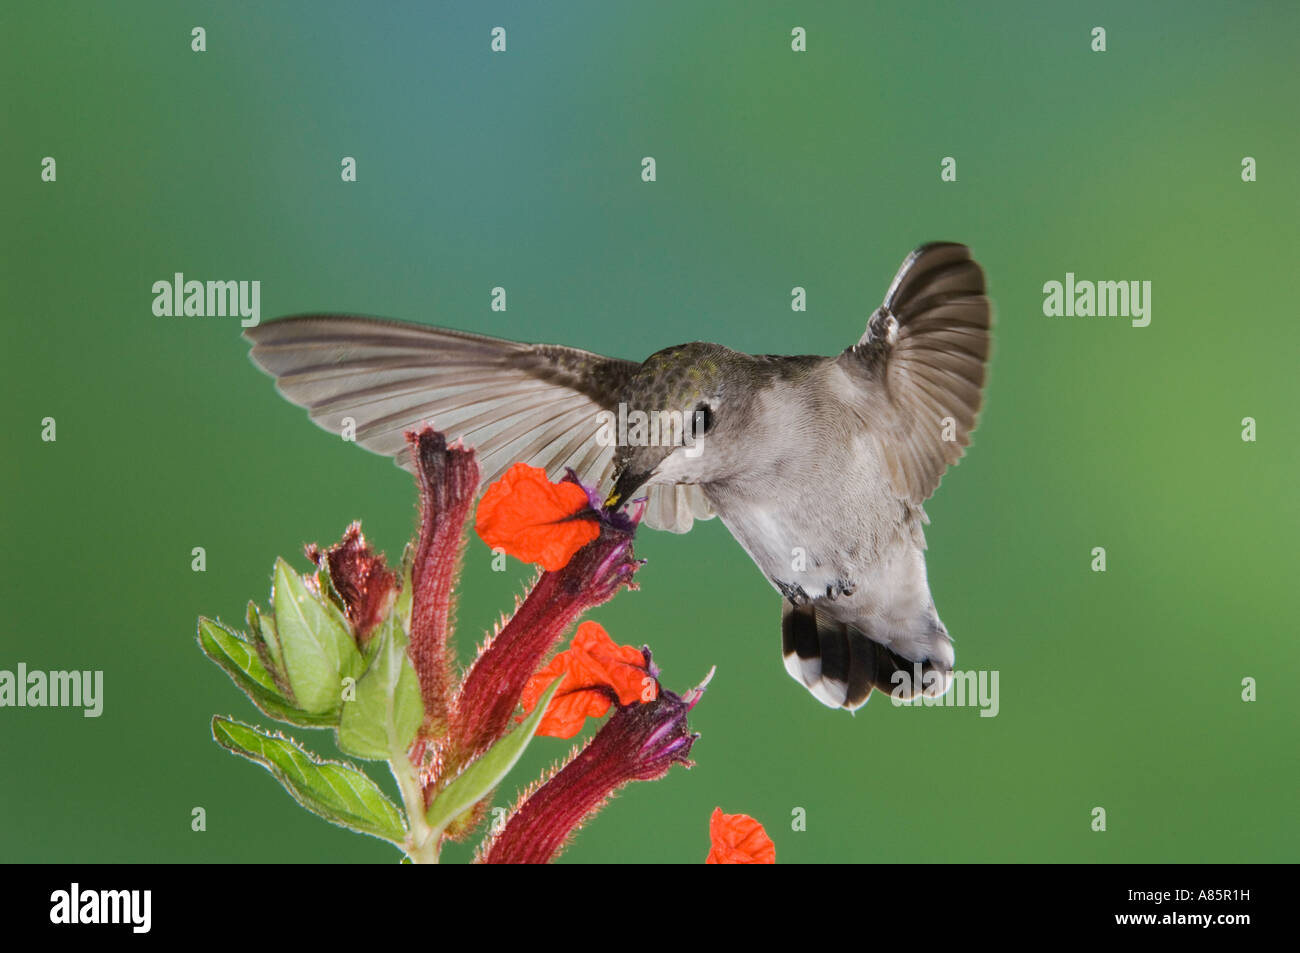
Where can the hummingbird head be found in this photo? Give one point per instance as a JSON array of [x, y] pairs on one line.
[[675, 410]]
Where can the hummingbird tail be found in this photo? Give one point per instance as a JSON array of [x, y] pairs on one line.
[[840, 663]]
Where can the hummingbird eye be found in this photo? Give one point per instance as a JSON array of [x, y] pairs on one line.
[[701, 420]]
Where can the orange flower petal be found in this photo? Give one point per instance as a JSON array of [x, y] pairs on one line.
[[738, 839], [531, 518], [569, 712], [596, 667], [621, 667]]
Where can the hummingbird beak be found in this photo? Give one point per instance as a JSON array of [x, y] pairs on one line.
[[624, 486]]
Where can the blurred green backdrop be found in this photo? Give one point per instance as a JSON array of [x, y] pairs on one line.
[[775, 169]]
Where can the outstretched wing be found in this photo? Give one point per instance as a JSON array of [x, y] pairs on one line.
[[532, 402], [922, 362]]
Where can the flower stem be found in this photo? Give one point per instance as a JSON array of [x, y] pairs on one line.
[[421, 845]]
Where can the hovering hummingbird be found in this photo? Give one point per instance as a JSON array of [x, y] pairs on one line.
[[817, 465]]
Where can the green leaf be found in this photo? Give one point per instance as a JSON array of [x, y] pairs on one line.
[[238, 658], [382, 721], [317, 643], [261, 630], [339, 792], [482, 777]]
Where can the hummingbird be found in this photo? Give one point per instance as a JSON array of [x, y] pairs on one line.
[[818, 465]]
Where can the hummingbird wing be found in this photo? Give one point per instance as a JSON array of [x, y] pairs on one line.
[[532, 402], [923, 358]]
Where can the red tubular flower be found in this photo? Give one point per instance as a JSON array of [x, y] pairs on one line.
[[493, 688], [600, 673], [640, 742], [361, 578], [448, 479], [535, 520], [738, 839]]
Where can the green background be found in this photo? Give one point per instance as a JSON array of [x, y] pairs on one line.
[[775, 169]]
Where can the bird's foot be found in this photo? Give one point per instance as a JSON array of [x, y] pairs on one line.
[[792, 591], [841, 587]]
